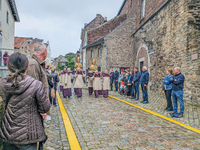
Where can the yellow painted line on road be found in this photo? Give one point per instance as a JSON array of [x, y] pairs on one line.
[[73, 141], [156, 114]]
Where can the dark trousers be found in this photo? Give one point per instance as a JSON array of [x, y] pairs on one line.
[[53, 99], [145, 93], [111, 87], [129, 90], [116, 85], [168, 94]]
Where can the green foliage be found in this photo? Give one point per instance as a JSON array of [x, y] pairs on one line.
[[71, 60], [69, 57]]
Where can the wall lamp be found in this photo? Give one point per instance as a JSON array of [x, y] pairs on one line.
[[143, 36]]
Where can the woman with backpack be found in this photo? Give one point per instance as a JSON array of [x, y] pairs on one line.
[[22, 126]]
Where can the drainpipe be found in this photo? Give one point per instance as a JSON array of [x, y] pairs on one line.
[[106, 53]]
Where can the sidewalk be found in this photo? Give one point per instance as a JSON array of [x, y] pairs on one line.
[[158, 102]]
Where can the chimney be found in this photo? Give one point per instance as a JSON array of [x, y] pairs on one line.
[[105, 19]]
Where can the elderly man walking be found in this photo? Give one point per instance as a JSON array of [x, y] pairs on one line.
[[177, 92], [37, 67], [144, 82]]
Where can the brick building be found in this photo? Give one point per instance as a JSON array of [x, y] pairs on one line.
[[97, 21], [158, 34], [97, 41]]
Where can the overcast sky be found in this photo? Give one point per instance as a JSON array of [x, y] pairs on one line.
[[60, 21]]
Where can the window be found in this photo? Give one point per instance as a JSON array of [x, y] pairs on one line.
[[110, 31], [143, 9], [26, 49], [7, 17], [99, 52], [92, 53], [99, 68]]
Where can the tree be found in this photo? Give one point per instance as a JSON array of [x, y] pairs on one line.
[[69, 57]]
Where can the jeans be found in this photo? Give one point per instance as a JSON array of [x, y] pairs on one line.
[[137, 92], [116, 85], [54, 99], [178, 95], [169, 100], [145, 93], [132, 91], [7, 146]]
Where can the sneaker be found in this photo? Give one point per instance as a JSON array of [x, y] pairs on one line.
[[145, 102]]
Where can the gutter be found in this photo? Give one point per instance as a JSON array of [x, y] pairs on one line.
[[157, 11]]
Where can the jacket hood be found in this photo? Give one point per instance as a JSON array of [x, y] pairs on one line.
[[23, 85]]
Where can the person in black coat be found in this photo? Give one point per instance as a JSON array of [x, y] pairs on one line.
[[55, 80], [111, 80]]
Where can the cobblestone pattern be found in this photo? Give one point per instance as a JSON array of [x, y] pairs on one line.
[[107, 124], [158, 103], [55, 130]]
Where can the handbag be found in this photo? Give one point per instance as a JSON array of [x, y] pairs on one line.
[[52, 92]]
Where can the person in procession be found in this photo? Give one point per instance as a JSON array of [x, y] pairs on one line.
[[90, 81], [106, 81], [79, 82], [67, 92], [97, 81]]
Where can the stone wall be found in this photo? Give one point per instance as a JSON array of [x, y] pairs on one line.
[[175, 43], [100, 61], [120, 45]]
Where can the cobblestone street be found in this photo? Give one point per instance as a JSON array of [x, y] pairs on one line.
[[108, 124]]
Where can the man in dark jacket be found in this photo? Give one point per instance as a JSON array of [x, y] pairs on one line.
[[136, 80], [111, 80], [144, 82], [116, 76], [177, 92], [55, 80]]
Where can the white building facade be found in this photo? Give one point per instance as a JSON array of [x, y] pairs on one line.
[[8, 17]]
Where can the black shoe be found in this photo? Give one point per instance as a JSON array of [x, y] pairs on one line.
[[145, 102], [165, 109]]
